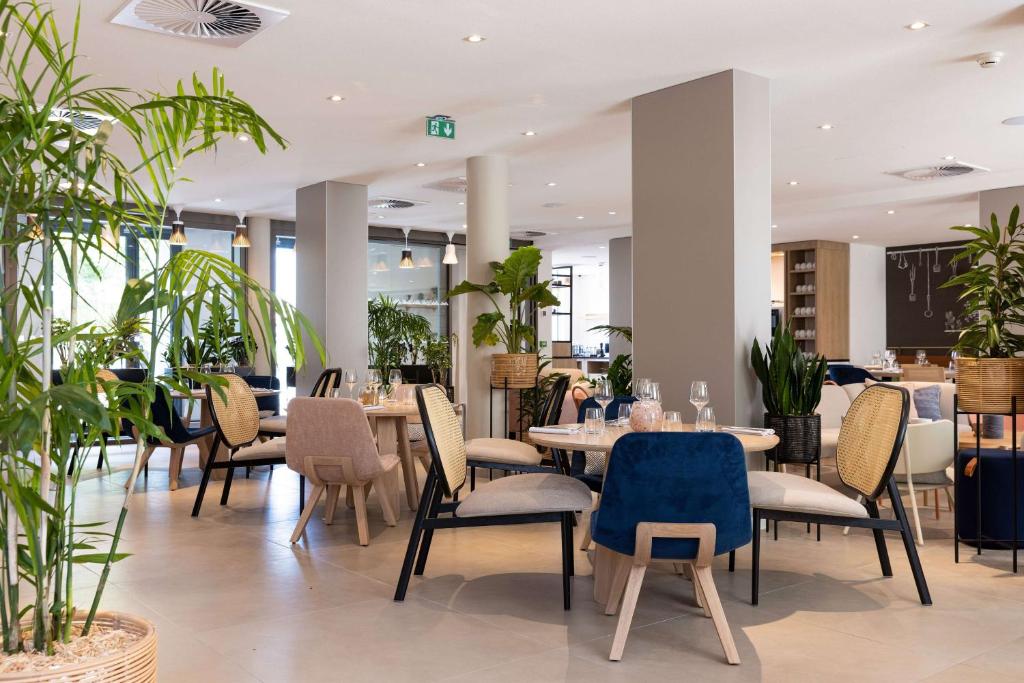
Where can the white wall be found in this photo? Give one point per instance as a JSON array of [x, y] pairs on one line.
[[867, 302]]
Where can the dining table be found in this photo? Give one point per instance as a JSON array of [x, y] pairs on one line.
[[390, 422], [603, 559], [895, 374]]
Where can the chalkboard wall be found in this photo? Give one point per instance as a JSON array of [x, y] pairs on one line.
[[908, 324]]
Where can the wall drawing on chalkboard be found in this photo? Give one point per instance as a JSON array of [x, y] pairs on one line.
[[919, 313]]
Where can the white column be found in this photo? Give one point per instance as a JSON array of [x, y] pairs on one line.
[[701, 239], [331, 235], [258, 266], [487, 240]]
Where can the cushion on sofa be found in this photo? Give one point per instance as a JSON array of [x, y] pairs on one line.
[[926, 402]]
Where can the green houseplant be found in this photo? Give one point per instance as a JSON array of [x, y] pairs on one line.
[[989, 373], [620, 370], [437, 357], [514, 289], [791, 382], [62, 184], [390, 328]]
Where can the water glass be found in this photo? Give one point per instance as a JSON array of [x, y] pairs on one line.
[[395, 377], [350, 378], [594, 421], [625, 409], [922, 357], [706, 420], [672, 421]]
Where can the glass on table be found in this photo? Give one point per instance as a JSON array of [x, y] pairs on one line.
[[338, 393], [350, 378], [921, 356], [603, 392], [593, 422], [395, 377], [641, 387], [622, 417], [699, 394], [706, 420], [672, 421], [373, 378]]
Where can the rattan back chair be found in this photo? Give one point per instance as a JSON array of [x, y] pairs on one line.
[[236, 418], [444, 437], [871, 438]]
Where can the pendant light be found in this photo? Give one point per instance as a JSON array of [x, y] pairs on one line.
[[109, 236], [406, 261], [450, 257], [178, 227], [36, 230], [241, 238]]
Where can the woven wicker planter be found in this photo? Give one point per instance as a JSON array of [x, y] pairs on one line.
[[520, 369], [136, 664], [799, 437], [986, 385]]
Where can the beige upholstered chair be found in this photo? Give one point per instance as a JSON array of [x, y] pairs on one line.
[[870, 441], [523, 499], [924, 373], [277, 425], [237, 419], [331, 445]]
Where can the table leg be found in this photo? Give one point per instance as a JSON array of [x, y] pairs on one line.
[[393, 437]]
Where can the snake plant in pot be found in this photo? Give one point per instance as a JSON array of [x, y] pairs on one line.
[[61, 186], [791, 384]]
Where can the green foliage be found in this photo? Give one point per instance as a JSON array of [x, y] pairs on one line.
[[389, 329], [436, 356], [791, 380], [993, 288], [620, 370], [514, 280], [531, 401]]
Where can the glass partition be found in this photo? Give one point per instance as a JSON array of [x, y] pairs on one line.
[[420, 289]]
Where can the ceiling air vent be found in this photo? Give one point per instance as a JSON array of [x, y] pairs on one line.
[[449, 185], [392, 203], [222, 22], [950, 170], [528, 234], [83, 121]]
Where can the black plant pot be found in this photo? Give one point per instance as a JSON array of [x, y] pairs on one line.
[[799, 438]]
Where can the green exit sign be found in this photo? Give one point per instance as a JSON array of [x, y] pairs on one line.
[[440, 127]]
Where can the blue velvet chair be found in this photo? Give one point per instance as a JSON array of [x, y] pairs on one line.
[[849, 374], [675, 497], [578, 461]]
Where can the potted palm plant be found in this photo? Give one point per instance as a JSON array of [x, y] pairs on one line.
[[791, 382], [620, 370], [62, 185], [989, 372], [513, 289]]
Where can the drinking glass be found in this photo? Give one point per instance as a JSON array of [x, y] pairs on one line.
[[654, 392], [625, 410], [373, 378], [953, 356], [640, 387], [890, 359], [876, 358], [395, 377], [350, 378], [706, 419], [594, 421], [337, 393], [672, 421], [699, 394], [922, 357], [603, 392]]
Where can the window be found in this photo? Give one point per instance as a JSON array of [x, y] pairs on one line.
[[420, 289]]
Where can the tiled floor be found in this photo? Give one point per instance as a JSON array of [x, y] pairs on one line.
[[234, 601]]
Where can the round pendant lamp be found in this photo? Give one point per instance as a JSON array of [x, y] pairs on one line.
[[450, 257], [178, 227]]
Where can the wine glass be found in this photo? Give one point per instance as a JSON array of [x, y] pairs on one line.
[[373, 378], [395, 378], [654, 392], [350, 378], [890, 359], [641, 386], [699, 395], [603, 392]]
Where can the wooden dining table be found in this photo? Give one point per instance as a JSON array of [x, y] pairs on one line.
[[390, 423], [604, 560]]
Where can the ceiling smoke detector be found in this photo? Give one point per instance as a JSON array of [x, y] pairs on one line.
[[392, 203], [950, 170], [987, 60], [222, 22]]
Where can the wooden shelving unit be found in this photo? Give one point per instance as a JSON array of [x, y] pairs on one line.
[[830, 298]]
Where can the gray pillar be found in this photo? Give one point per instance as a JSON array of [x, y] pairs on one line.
[[620, 290], [331, 236], [487, 240], [701, 239], [258, 266]]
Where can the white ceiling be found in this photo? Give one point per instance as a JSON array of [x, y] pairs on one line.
[[898, 99]]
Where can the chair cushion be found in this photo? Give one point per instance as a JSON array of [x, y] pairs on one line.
[[502, 450], [524, 494], [273, 448], [277, 424], [781, 491], [927, 478], [926, 400]]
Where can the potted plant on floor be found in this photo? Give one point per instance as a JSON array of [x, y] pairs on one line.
[[389, 327], [791, 384], [437, 357], [988, 371], [620, 370], [61, 185], [513, 289]]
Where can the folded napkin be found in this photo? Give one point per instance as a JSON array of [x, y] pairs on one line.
[[373, 407], [561, 429], [755, 431]]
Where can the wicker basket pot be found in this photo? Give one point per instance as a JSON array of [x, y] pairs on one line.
[[520, 369], [136, 664], [799, 437], [986, 385]]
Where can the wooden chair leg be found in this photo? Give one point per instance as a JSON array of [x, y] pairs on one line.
[[174, 467], [698, 590], [414, 537], [908, 542], [949, 499], [307, 512], [587, 538], [714, 606], [622, 565], [883, 552], [362, 529], [333, 491], [629, 598], [349, 500], [935, 494], [386, 491]]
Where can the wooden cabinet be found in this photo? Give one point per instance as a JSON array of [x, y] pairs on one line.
[[818, 295]]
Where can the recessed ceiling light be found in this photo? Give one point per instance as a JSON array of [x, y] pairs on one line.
[[529, 133], [826, 126], [917, 25], [462, 203], [474, 38], [579, 218], [420, 164], [949, 157], [611, 213], [464, 226], [218, 200], [243, 138], [379, 217], [891, 211], [856, 237], [600, 246], [794, 182], [775, 225], [553, 184], [335, 98], [1014, 121]]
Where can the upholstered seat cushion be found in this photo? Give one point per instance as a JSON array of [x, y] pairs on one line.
[[781, 491], [274, 448], [502, 450], [276, 424], [524, 494]]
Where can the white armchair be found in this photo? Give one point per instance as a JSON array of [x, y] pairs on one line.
[[926, 455]]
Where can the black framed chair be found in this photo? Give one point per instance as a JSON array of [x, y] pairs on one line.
[[236, 419], [869, 446], [277, 425], [269, 405], [178, 436], [525, 499]]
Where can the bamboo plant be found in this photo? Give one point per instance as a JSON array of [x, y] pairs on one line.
[[63, 186]]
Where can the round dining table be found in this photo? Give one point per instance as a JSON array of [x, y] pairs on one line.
[[390, 422]]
